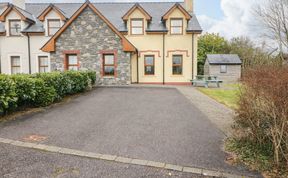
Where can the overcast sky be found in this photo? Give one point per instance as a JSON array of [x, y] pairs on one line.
[[235, 18], [230, 18]]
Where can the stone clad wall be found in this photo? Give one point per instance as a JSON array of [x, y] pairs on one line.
[[89, 34], [233, 73]]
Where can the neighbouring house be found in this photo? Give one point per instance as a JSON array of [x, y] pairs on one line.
[[147, 42], [226, 66]]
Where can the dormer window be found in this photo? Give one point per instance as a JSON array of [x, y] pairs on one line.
[[137, 27], [53, 26], [176, 26], [14, 27]]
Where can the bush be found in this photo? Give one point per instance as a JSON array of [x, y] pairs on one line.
[[78, 81], [57, 81], [32, 91], [24, 90], [92, 76], [45, 95], [263, 110], [8, 97]]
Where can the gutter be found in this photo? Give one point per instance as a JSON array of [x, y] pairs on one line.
[[137, 59], [29, 52], [193, 53], [163, 58]]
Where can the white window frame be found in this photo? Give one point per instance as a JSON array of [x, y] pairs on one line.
[[225, 69], [182, 27], [142, 27], [10, 62], [8, 27], [46, 24], [38, 65]]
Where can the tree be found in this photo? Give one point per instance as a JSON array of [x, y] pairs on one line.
[[274, 16], [210, 44], [249, 54]]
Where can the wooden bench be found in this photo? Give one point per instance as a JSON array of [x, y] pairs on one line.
[[200, 79], [205, 80]]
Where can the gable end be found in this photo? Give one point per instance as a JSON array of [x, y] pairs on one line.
[[50, 45]]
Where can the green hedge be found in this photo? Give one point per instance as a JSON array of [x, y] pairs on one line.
[[42, 89], [8, 96]]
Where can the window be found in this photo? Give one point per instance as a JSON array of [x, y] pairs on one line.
[[137, 27], [14, 27], [108, 65], [15, 65], [149, 65], [177, 65], [72, 62], [176, 26], [43, 64], [53, 26], [223, 69]]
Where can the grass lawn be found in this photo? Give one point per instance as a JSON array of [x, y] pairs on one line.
[[227, 94]]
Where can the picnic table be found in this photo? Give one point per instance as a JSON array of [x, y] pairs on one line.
[[205, 80]]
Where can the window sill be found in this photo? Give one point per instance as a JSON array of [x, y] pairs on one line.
[[176, 34], [150, 76], [175, 75], [134, 35], [108, 77], [13, 36]]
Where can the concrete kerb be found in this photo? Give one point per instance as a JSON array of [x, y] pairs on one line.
[[119, 159]]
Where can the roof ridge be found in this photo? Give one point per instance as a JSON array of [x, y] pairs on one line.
[[21, 9], [130, 2]]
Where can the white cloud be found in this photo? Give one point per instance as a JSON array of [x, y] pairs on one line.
[[238, 19]]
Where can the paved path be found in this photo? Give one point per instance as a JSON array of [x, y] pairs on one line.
[[155, 124], [217, 113]]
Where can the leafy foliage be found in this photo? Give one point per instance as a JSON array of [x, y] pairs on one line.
[[25, 89], [45, 95], [43, 89], [8, 97], [210, 44], [79, 81], [250, 54], [57, 81]]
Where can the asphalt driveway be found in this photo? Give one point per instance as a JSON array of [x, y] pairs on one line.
[[157, 124]]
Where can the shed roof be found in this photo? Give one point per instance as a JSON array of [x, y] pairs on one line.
[[229, 59]]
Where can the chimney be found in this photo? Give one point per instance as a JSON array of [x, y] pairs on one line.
[[188, 4], [19, 3]]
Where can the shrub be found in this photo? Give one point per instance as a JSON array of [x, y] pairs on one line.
[[77, 80], [41, 89], [25, 89], [92, 76], [33, 91], [45, 95], [87, 80], [57, 81], [8, 97], [263, 110]]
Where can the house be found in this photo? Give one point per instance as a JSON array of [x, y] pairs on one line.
[[147, 43], [226, 66]]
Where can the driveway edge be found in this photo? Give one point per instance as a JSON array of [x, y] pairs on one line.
[[118, 159]]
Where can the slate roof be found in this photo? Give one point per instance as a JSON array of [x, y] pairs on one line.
[[113, 12], [2, 8], [37, 27], [228, 59], [28, 15]]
